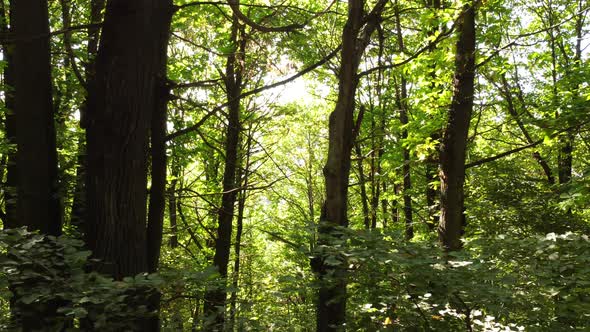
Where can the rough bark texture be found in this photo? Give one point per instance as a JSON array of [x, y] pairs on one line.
[[454, 143], [215, 300], [120, 106], [38, 200], [331, 302]]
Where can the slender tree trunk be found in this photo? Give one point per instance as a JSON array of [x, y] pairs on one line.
[[172, 215], [215, 300], [432, 162], [565, 157], [78, 210], [331, 302], [376, 143], [157, 198], [245, 175], [402, 103], [506, 91], [157, 201], [362, 185], [454, 143]]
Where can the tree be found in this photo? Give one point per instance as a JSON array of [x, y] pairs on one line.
[[38, 201], [121, 103], [331, 305], [215, 299], [454, 141]]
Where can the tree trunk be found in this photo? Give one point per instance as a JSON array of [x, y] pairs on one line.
[[172, 214], [454, 143], [122, 97], [38, 201], [402, 103], [243, 195], [78, 210], [157, 202], [432, 161], [331, 302], [37, 189], [363, 186]]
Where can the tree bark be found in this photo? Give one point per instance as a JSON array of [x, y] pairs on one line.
[[454, 143], [38, 199], [122, 97]]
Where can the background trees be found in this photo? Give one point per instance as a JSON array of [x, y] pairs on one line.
[[218, 146]]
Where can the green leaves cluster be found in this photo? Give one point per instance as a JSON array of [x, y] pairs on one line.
[[45, 278]]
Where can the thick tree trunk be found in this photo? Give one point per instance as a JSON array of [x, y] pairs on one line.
[[37, 188], [331, 302], [215, 300], [38, 201], [454, 143], [122, 96]]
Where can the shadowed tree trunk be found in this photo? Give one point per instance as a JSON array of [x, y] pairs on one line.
[[79, 200], [331, 302], [122, 98], [454, 142], [38, 199], [157, 202]]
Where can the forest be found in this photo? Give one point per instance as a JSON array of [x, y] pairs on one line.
[[294, 165]]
